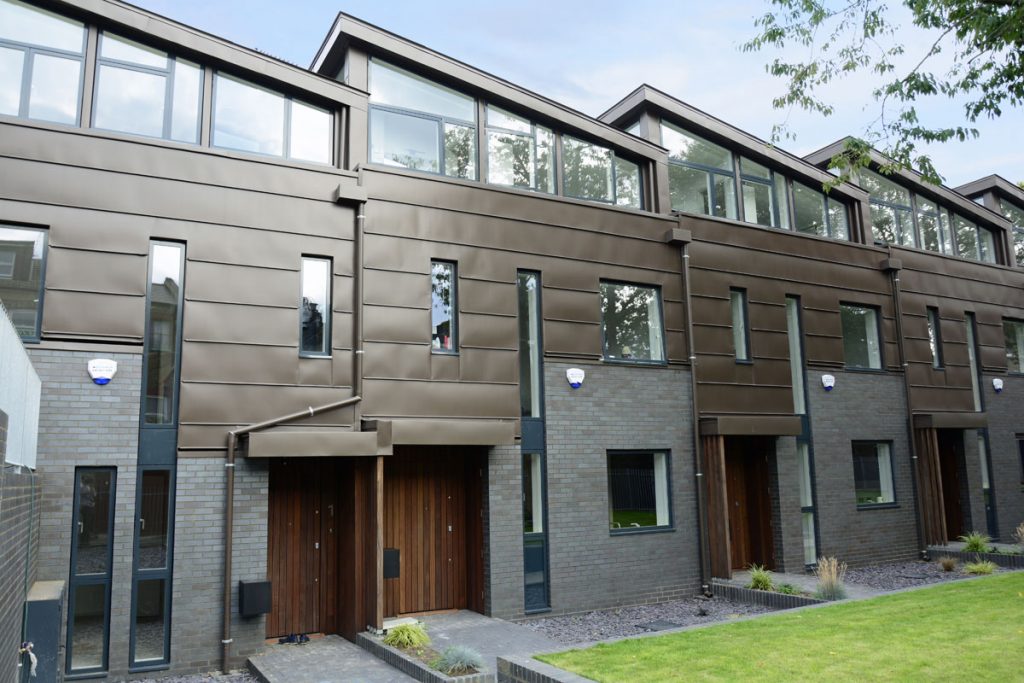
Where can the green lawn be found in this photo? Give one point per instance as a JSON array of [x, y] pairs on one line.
[[970, 631]]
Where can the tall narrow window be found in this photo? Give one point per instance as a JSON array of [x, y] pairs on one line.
[[22, 252], [796, 354], [740, 333], [529, 344], [638, 490], [1013, 334], [872, 473], [631, 323], [935, 337], [806, 502], [151, 634], [163, 332], [315, 307], [535, 560], [861, 347], [986, 486], [444, 310], [92, 543], [972, 357]]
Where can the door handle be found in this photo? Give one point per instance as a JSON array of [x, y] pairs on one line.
[[142, 523]]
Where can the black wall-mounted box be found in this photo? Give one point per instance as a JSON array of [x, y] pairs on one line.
[[392, 563], [253, 598]]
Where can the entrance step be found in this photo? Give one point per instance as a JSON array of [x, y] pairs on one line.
[[330, 659]]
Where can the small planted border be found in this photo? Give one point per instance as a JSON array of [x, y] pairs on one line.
[[518, 669], [1001, 559], [763, 598], [414, 667]]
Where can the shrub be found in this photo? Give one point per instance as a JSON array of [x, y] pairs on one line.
[[1018, 535], [787, 589], [947, 563], [980, 567], [976, 542], [760, 578], [458, 660], [830, 573], [407, 637]]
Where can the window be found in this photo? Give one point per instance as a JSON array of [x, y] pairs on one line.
[[861, 348], [764, 195], [796, 354], [443, 307], [806, 502], [972, 358], [251, 118], [41, 59], [519, 153], [638, 490], [631, 323], [535, 559], [933, 222], [701, 176], [1013, 331], [1016, 216], [740, 333], [22, 256], [530, 351], [892, 216], [593, 172], [144, 91], [935, 337], [151, 595], [872, 473], [315, 307], [163, 332], [815, 214], [92, 543], [420, 125]]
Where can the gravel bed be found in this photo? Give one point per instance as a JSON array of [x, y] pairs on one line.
[[233, 677], [625, 621], [896, 575]]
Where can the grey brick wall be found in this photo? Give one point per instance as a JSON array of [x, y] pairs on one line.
[[870, 407], [1005, 421], [789, 538], [19, 542], [618, 407], [504, 533]]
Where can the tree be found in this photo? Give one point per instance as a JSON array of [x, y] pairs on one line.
[[981, 43]]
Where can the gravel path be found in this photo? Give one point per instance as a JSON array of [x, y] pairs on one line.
[[233, 677], [897, 575], [625, 621]]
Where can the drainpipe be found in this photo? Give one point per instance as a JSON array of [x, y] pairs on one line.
[[683, 237], [357, 314], [893, 267]]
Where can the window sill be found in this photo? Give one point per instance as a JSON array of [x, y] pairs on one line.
[[870, 371], [878, 506], [437, 352], [744, 361], [162, 666], [640, 531], [635, 363], [539, 610], [86, 676], [315, 355]]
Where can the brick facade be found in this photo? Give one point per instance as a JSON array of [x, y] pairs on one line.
[[19, 542], [1005, 428]]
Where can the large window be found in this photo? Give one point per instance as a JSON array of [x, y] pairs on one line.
[[1016, 216], [872, 473], [892, 216], [631, 323], [935, 337], [146, 92], [22, 252], [420, 125], [163, 332], [251, 118], [1013, 330], [861, 348], [816, 214], [593, 172], [701, 174], [519, 153], [740, 331], [638, 490], [41, 63], [444, 311], [315, 307]]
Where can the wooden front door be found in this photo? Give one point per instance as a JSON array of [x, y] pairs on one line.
[[749, 503], [302, 546], [950, 457], [432, 504]]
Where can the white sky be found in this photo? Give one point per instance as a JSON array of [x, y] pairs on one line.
[[591, 54]]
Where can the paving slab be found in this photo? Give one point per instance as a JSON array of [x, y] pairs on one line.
[[330, 659], [488, 636]]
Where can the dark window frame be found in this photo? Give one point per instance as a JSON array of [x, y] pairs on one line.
[[540, 342], [1016, 321], [771, 183], [180, 316], [328, 349], [488, 128], [541, 535], [631, 531], [661, 321], [878, 331], [744, 303], [454, 305], [614, 171], [37, 335], [895, 502]]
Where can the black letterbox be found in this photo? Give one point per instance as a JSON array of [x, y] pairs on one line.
[[253, 598], [391, 563]]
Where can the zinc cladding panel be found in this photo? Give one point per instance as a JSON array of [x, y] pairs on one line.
[[481, 296], [488, 365], [396, 361], [390, 288], [205, 362], [268, 249], [82, 314], [96, 271], [217, 282], [572, 339], [243, 324], [489, 331], [439, 399], [570, 304], [387, 324], [244, 404], [727, 399]]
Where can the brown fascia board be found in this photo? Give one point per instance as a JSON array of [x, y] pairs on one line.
[[208, 49], [912, 180], [995, 183], [648, 98], [350, 31]]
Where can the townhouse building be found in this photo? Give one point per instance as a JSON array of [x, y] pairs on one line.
[[394, 335]]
